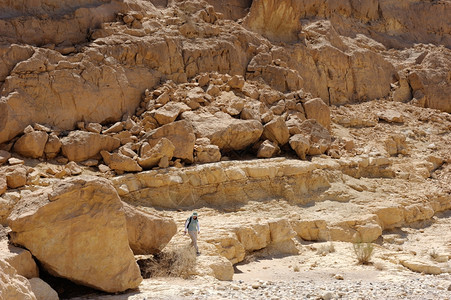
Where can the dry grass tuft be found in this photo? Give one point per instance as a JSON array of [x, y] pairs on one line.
[[379, 266], [433, 254], [363, 252], [323, 250], [178, 262]]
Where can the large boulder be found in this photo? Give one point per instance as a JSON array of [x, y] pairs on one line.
[[42, 290], [148, 233], [419, 266], [268, 149], [318, 110], [224, 131], [120, 162], [180, 134], [280, 230], [215, 265], [254, 237], [205, 152], [430, 80], [16, 176], [77, 230], [31, 144], [229, 103], [300, 144], [277, 131], [53, 146], [151, 156], [318, 136], [169, 112], [20, 259], [82, 145], [12, 285]]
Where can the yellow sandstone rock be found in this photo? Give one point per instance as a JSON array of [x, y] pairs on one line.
[[77, 230]]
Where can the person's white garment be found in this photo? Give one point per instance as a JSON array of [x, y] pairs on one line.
[[193, 236], [187, 222], [193, 228]]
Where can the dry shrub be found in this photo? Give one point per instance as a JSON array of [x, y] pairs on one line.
[[178, 262], [363, 252], [323, 250], [433, 254], [379, 266], [296, 268]]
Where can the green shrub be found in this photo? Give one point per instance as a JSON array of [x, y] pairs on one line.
[[363, 252]]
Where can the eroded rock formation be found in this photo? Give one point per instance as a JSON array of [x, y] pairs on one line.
[[337, 60], [77, 225], [349, 101]]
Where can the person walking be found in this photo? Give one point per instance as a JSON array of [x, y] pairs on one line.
[[193, 228]]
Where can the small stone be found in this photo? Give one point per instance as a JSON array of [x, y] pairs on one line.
[[3, 185], [135, 129], [62, 160], [81, 125], [213, 90], [52, 170], [136, 24], [74, 168], [40, 127], [256, 285], [164, 162], [90, 163], [94, 127], [178, 164], [203, 79], [125, 150], [339, 277], [4, 156], [236, 82], [115, 128], [28, 129], [391, 116], [123, 190], [17, 178], [128, 19], [62, 173], [163, 98], [15, 161], [137, 15], [129, 124], [327, 296], [103, 168]]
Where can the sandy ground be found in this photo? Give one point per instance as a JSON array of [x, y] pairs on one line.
[[323, 271]]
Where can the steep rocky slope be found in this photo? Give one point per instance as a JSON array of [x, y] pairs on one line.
[[283, 123], [109, 64]]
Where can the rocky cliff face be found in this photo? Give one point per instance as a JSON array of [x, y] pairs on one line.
[[176, 104], [90, 54]]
